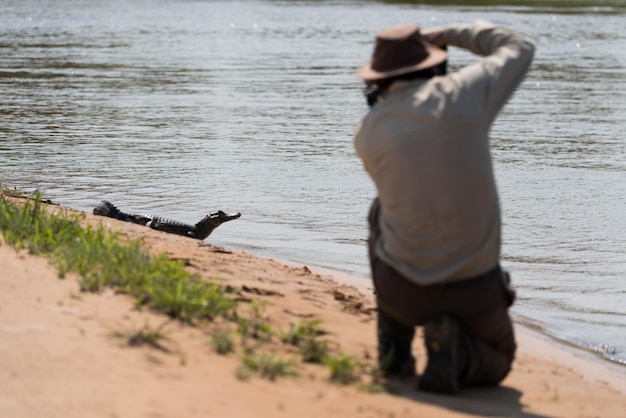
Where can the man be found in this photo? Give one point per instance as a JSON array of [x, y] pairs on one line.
[[435, 227]]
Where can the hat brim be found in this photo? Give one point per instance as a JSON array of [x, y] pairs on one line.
[[435, 57]]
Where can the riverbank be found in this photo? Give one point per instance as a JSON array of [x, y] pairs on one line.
[[61, 355]]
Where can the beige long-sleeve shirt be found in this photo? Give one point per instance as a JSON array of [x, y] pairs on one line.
[[425, 145]]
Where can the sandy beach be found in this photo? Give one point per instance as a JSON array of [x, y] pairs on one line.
[[60, 357]]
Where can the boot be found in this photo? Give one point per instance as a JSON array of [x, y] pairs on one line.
[[443, 338], [394, 347]]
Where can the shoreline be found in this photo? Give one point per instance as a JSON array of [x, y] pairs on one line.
[[57, 357], [544, 345], [534, 332]]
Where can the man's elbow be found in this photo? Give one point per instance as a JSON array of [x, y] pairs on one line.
[[527, 48]]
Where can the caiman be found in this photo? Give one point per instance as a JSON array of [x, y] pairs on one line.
[[200, 231]]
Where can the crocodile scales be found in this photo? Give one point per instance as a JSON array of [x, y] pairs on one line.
[[200, 231]]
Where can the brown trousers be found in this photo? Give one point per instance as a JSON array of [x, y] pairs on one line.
[[479, 304]]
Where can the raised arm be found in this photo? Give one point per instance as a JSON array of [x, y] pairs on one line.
[[508, 56]]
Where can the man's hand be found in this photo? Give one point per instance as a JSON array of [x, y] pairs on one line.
[[434, 36]]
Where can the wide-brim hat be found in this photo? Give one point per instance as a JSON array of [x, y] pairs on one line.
[[400, 50]]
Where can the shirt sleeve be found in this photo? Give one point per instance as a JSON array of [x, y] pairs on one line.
[[507, 58]]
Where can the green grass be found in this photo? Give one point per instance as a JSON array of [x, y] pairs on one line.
[[344, 368], [222, 341], [558, 5], [306, 329], [149, 336], [14, 192], [268, 366], [145, 335], [27, 226], [304, 336], [101, 260], [255, 325], [314, 351]]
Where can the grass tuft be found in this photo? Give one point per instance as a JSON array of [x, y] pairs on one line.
[[269, 366], [146, 335], [343, 368], [255, 325], [314, 351], [304, 336], [222, 341], [14, 192], [306, 329]]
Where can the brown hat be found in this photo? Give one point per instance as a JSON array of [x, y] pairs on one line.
[[400, 50]]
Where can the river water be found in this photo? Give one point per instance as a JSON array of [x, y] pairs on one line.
[[179, 108]]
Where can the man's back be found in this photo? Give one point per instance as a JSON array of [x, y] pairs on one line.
[[426, 147]]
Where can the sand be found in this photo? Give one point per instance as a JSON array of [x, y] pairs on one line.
[[61, 354]]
